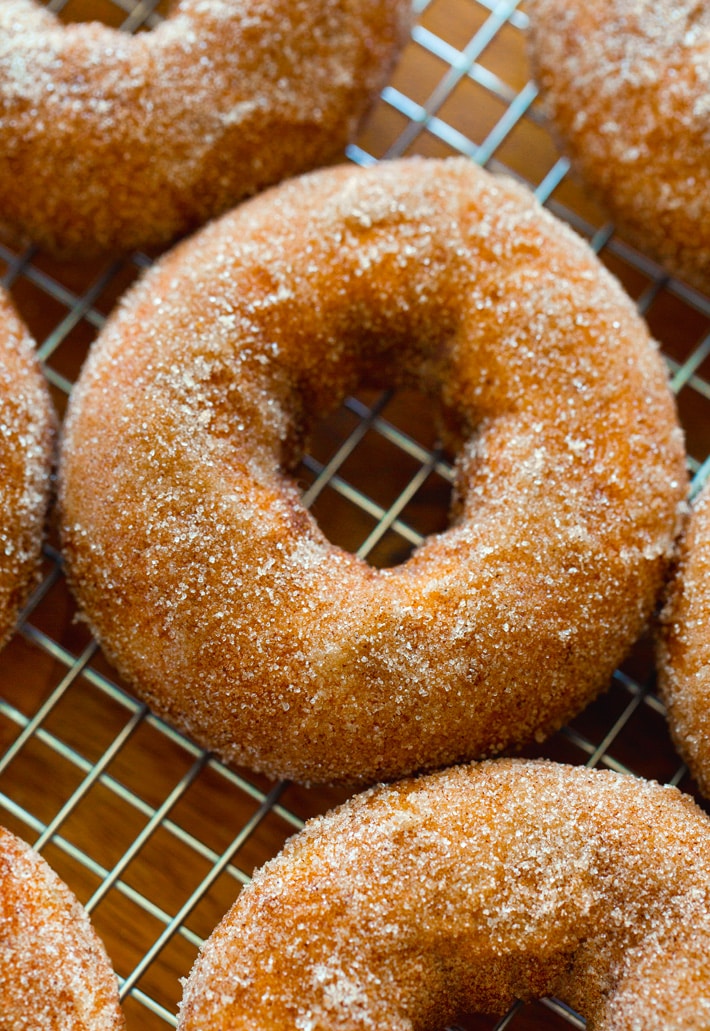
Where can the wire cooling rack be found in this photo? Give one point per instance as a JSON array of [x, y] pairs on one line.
[[154, 835]]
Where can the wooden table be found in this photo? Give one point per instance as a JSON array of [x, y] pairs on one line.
[[153, 835]]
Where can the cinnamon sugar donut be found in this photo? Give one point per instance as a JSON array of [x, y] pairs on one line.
[[110, 141], [413, 904], [54, 972], [684, 645], [627, 88], [215, 593], [26, 437]]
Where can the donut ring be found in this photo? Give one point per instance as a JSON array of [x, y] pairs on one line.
[[414, 904], [627, 89], [26, 444], [110, 142], [212, 589], [684, 645], [54, 971]]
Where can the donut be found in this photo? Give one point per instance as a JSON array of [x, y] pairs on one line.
[[110, 142], [626, 86], [54, 971], [414, 904], [212, 589], [684, 645], [26, 445]]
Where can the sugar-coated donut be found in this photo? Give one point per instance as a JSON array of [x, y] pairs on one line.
[[110, 141], [26, 440], [627, 88], [684, 645], [216, 594], [54, 971], [413, 904]]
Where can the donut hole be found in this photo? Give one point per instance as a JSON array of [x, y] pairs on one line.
[[110, 13], [375, 476]]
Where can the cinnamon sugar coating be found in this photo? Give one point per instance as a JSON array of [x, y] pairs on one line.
[[54, 972], [684, 645], [413, 904], [110, 142], [627, 88], [26, 444], [215, 593]]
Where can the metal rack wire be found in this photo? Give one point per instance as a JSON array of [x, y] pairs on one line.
[[155, 836]]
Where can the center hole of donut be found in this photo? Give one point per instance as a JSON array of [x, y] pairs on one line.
[[375, 477], [142, 15]]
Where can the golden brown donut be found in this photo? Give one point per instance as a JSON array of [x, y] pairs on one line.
[[110, 141], [627, 89], [413, 904], [216, 594], [26, 439], [684, 645], [54, 971]]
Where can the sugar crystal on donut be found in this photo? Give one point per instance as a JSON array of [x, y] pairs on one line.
[[214, 591]]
